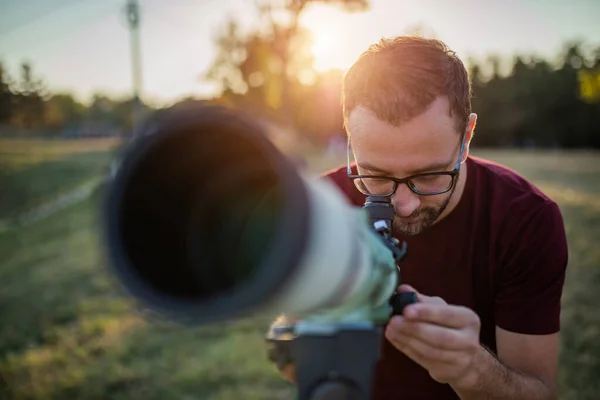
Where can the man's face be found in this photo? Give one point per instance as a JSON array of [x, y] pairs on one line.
[[429, 142]]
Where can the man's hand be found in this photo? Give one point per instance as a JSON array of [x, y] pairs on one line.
[[442, 338]]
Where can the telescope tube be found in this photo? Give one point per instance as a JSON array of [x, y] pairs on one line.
[[206, 221]]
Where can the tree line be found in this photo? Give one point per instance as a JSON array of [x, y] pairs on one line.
[[29, 107], [540, 102]]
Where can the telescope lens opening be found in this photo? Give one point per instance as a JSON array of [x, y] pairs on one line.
[[200, 212]]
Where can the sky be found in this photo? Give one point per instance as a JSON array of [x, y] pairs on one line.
[[83, 46]]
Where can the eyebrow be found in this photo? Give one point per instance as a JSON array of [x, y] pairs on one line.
[[429, 168]]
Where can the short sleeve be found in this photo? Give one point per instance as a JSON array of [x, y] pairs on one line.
[[532, 274]]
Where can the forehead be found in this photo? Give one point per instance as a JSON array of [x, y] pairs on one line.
[[431, 136]]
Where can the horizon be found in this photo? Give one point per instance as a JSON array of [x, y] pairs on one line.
[[86, 43]]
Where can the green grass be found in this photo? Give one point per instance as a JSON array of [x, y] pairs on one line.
[[34, 171], [68, 332]]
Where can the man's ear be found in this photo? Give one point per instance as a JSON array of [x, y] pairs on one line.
[[471, 126], [469, 133]]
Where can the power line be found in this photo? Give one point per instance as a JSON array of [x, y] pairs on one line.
[[30, 39], [55, 10]]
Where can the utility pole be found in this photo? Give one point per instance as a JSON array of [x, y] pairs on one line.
[[133, 18]]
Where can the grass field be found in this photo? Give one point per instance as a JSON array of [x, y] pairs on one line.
[[68, 332], [34, 171]]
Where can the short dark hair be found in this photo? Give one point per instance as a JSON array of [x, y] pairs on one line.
[[398, 79]]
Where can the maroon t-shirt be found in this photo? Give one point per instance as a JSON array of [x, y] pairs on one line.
[[501, 252]]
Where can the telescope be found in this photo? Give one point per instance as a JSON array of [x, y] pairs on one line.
[[206, 221]]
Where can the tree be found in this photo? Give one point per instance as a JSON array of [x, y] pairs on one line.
[[62, 109], [6, 96], [539, 103], [105, 110], [261, 62], [321, 117], [29, 99], [231, 53]]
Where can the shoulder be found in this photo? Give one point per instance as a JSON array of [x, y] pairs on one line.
[[509, 193], [521, 214], [529, 245]]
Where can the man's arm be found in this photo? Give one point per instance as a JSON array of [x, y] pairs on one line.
[[525, 368], [444, 339], [527, 312]]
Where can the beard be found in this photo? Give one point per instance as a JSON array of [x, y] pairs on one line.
[[420, 219]]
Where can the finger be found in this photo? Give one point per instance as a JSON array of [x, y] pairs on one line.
[[434, 335], [451, 316], [406, 288], [420, 351], [430, 299], [410, 352]]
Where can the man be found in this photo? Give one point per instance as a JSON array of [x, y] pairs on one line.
[[487, 251]]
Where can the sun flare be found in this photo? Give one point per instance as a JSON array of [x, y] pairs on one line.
[[322, 44]]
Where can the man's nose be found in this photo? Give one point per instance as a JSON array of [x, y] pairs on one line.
[[405, 201]]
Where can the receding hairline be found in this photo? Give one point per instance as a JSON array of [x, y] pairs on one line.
[[399, 78], [459, 124]]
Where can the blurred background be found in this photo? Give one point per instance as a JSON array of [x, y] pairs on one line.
[[78, 76]]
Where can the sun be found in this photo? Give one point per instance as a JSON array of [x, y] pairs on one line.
[[330, 30], [323, 43], [322, 47]]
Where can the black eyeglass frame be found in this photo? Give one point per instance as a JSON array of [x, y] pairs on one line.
[[408, 180]]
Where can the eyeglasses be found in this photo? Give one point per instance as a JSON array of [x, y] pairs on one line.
[[427, 184]]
